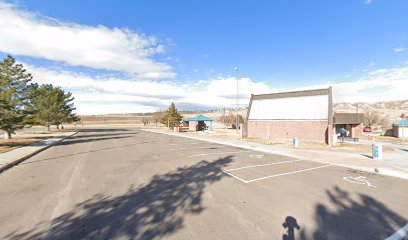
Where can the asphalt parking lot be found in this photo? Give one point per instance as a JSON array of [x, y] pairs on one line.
[[131, 184]]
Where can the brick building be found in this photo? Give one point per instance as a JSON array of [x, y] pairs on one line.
[[307, 115]]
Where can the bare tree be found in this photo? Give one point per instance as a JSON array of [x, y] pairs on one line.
[[158, 116], [375, 118], [145, 120], [227, 119]]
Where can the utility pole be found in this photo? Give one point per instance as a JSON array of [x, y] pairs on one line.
[[237, 101]]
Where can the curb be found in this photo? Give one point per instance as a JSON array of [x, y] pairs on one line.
[[378, 171], [7, 166]]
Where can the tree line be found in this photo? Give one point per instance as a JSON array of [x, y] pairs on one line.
[[24, 103]]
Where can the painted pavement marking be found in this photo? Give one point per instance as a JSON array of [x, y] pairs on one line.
[[359, 180]]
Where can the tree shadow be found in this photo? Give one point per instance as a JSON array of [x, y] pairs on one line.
[[61, 157], [348, 218], [101, 135], [150, 211], [90, 139], [101, 130]]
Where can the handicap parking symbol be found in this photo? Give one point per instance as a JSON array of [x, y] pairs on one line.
[[359, 180]]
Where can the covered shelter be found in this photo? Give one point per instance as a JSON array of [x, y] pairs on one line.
[[401, 128], [351, 122], [198, 123]]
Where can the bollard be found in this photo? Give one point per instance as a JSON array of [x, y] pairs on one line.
[[295, 142], [377, 151]]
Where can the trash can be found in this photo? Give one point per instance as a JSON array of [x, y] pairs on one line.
[[377, 151], [295, 142]]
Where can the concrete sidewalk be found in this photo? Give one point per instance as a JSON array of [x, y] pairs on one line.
[[16, 156], [344, 159]]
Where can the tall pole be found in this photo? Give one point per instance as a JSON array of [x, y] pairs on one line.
[[237, 101]]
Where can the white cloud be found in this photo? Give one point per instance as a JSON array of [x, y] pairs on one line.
[[99, 47], [399, 49], [386, 84], [97, 95]]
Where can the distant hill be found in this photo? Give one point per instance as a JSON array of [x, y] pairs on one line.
[[392, 110]]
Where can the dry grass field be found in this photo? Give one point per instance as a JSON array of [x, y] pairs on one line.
[[10, 144]]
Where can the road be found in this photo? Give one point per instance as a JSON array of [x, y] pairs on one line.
[[122, 183]]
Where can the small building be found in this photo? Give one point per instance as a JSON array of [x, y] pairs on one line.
[[401, 128], [352, 122], [198, 123], [307, 115]]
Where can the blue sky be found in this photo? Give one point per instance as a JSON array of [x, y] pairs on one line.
[[187, 50]]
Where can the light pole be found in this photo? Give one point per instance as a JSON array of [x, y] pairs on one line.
[[237, 101]]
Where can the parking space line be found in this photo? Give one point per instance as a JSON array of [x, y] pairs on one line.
[[232, 175], [287, 173], [219, 153], [210, 147], [266, 164]]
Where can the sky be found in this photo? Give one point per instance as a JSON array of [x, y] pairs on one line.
[[139, 56]]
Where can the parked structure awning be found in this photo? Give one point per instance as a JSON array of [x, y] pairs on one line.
[[348, 118], [198, 118], [402, 123]]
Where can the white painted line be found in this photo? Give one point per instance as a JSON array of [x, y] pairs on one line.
[[176, 149], [288, 173], [205, 154], [232, 175], [400, 234], [266, 164]]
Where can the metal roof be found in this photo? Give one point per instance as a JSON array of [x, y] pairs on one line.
[[197, 118], [402, 123]]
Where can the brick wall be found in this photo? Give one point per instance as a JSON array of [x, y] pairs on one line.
[[306, 130], [244, 130], [192, 125], [357, 132]]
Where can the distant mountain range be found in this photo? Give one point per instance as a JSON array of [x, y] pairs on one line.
[[392, 110]]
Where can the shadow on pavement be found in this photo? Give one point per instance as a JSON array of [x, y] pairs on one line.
[[290, 224], [149, 211], [349, 218], [102, 135], [61, 157], [71, 141], [403, 149], [367, 156], [101, 130]]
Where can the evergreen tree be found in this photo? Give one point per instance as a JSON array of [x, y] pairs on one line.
[[172, 117], [52, 106], [14, 96]]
